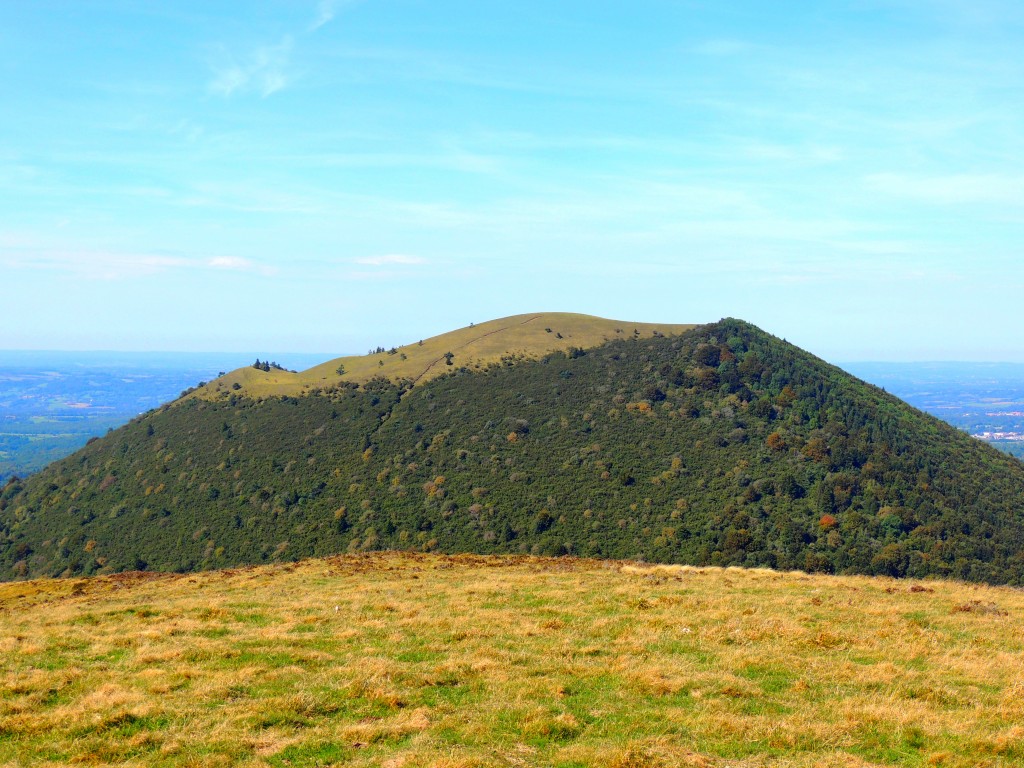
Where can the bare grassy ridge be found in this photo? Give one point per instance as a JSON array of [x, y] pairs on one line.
[[418, 660], [528, 336]]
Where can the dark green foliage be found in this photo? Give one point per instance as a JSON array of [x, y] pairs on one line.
[[264, 365], [723, 446]]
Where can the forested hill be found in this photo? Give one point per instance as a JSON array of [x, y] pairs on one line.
[[723, 445]]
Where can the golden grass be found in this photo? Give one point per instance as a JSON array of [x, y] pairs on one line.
[[528, 336], [410, 661]]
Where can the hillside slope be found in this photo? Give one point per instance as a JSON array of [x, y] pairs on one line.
[[423, 660], [723, 445]]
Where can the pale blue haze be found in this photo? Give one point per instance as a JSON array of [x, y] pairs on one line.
[[334, 176]]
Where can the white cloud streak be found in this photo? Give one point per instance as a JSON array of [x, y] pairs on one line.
[[325, 12], [90, 265], [263, 71], [391, 259], [266, 69], [18, 252], [951, 189], [238, 264], [722, 47]]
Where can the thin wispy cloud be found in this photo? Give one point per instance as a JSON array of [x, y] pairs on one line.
[[253, 197], [390, 260], [26, 253], [239, 264], [722, 47], [376, 275], [90, 264], [265, 70], [952, 189], [771, 151], [229, 262], [982, 13], [325, 12]]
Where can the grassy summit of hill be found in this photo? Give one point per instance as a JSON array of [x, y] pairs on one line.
[[520, 337], [417, 661]]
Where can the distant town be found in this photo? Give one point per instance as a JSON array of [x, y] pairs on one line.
[[1000, 436]]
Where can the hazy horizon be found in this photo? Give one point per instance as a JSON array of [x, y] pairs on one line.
[[313, 358]]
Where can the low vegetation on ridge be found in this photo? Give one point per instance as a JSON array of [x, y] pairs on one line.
[[410, 661]]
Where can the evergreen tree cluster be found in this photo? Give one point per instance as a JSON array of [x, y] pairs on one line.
[[266, 365]]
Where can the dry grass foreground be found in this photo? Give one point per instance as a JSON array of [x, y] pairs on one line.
[[414, 660]]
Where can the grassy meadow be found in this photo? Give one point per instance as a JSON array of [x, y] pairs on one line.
[[404, 660]]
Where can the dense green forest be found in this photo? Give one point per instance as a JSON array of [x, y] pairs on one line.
[[1012, 448], [721, 446]]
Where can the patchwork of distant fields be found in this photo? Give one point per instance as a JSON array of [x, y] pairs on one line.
[[51, 403]]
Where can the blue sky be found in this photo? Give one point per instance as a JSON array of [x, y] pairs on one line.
[[329, 176]]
